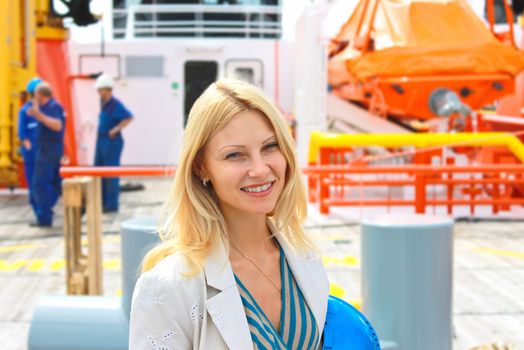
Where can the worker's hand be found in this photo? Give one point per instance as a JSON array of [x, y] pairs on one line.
[[30, 111], [27, 144], [113, 132], [34, 111]]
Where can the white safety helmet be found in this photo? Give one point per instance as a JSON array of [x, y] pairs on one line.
[[104, 81]]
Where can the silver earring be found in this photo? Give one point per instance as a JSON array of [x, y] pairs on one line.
[[204, 182]]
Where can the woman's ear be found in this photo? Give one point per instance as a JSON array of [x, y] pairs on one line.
[[198, 167]]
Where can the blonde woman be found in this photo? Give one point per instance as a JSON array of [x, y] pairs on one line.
[[235, 270]]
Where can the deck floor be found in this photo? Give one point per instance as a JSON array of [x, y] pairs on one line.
[[488, 296]]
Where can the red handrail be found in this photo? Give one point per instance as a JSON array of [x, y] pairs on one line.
[[422, 168], [117, 171], [497, 187]]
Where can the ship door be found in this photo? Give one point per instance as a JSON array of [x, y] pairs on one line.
[[246, 70], [198, 75]]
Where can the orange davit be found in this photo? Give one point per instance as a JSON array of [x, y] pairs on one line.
[[53, 66], [394, 56]]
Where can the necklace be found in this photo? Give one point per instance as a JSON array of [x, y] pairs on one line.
[[257, 267]]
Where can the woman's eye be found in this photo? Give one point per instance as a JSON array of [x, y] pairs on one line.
[[271, 146], [233, 155]]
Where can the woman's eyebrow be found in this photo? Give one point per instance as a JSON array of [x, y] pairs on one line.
[[243, 146], [237, 146], [269, 138]]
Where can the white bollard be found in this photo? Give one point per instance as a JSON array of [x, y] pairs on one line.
[[138, 237], [407, 266]]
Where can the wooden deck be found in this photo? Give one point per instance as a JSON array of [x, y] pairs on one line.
[[488, 298]]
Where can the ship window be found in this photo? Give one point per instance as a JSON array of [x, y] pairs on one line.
[[144, 66], [198, 76], [246, 74], [248, 70]]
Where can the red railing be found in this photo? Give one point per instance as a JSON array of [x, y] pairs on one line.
[[471, 185], [117, 171], [330, 185]]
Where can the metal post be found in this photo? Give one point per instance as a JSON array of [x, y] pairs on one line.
[[420, 194], [138, 237], [407, 269]]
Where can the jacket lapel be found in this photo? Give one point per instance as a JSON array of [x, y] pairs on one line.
[[225, 306], [311, 279]]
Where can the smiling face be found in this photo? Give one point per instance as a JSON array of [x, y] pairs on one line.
[[245, 166]]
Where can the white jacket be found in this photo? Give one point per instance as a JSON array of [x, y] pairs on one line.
[[205, 312]]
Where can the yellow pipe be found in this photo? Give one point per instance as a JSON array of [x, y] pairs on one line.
[[17, 33], [17, 66], [7, 11], [319, 140]]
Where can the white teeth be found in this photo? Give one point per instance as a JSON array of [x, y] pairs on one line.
[[257, 189]]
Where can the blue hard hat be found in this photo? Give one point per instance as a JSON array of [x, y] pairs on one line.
[[31, 86], [346, 328]]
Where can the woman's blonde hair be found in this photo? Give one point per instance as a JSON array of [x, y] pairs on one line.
[[191, 221]]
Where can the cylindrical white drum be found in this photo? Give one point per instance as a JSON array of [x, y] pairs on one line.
[[407, 266], [138, 237]]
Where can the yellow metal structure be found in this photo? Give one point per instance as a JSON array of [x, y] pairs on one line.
[[319, 140], [22, 22]]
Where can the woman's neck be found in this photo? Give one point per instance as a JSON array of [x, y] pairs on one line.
[[249, 234]]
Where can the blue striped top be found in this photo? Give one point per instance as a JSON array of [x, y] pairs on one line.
[[298, 328]]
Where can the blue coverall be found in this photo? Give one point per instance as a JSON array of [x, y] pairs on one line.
[[47, 184], [27, 131], [109, 149]]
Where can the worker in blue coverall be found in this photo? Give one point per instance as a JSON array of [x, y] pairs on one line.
[[114, 117], [47, 184], [27, 135]]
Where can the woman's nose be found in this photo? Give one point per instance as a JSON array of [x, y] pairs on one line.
[[258, 167]]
